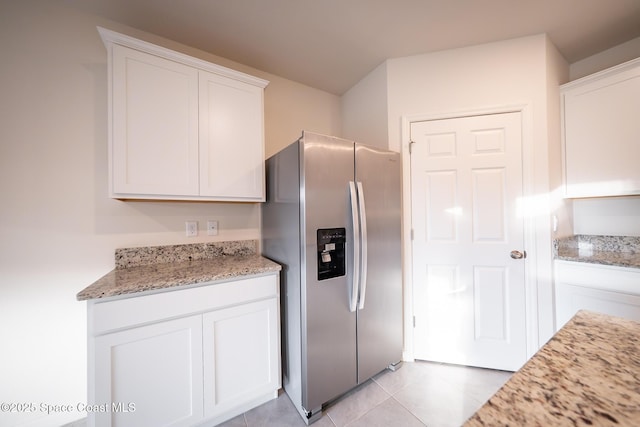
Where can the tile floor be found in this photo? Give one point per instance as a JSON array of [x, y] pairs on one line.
[[418, 394]]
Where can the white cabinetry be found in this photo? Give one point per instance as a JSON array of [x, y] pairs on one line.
[[154, 148], [152, 374], [185, 357], [600, 288], [239, 355], [601, 133], [231, 160], [182, 128]]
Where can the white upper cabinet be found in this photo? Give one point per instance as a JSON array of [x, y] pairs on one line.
[[155, 122], [181, 128], [231, 121], [601, 133]]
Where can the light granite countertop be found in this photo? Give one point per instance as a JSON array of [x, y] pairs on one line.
[[617, 259], [587, 374], [620, 251], [162, 267]]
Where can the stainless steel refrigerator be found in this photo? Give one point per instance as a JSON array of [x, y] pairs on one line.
[[332, 219]]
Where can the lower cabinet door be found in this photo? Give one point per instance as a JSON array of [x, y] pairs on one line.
[[241, 348], [150, 375]]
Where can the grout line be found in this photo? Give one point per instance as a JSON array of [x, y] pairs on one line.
[[409, 410]]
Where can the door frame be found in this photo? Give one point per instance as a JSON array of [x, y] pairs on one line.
[[531, 261]]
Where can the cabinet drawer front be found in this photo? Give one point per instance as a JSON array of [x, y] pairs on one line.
[[127, 312], [570, 299], [609, 278]]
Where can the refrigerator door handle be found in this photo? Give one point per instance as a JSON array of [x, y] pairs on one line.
[[353, 303], [363, 245]]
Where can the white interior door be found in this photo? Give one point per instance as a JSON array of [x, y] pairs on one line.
[[469, 293]]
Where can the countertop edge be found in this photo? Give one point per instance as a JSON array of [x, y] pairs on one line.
[[172, 276], [597, 261]]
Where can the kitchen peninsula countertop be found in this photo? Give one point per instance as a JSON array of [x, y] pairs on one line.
[[620, 251], [161, 267], [587, 374]]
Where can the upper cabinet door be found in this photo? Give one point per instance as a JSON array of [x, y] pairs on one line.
[[601, 133], [155, 122], [231, 139]]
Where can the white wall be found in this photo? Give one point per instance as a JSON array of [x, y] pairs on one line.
[[511, 72], [615, 216], [58, 228], [608, 58], [291, 107], [562, 209], [364, 109]]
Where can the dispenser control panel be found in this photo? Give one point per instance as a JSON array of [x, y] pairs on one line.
[[331, 252]]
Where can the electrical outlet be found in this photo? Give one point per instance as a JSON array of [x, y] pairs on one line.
[[192, 228], [212, 228]]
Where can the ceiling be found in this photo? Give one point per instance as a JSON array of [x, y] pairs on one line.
[[332, 44]]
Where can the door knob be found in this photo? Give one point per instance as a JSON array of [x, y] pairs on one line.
[[518, 254]]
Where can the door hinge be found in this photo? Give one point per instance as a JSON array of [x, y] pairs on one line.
[[414, 321], [412, 234], [411, 146]]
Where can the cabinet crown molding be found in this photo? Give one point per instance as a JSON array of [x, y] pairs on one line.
[[628, 65], [110, 37]]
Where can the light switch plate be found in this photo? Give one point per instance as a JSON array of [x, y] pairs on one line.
[[192, 228]]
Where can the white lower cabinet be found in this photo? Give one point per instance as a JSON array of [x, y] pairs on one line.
[[161, 360], [604, 289], [151, 375], [240, 356]]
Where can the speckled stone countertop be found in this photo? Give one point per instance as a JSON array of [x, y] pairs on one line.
[[587, 374], [161, 267], [621, 251]]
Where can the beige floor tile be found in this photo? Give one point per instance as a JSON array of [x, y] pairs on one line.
[[357, 403], [388, 414]]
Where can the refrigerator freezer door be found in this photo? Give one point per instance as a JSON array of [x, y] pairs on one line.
[[380, 320], [328, 327]]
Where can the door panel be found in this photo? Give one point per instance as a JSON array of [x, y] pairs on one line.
[[490, 289], [380, 320], [466, 177], [488, 205], [440, 197]]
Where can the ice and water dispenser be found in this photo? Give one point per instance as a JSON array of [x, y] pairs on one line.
[[331, 252]]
